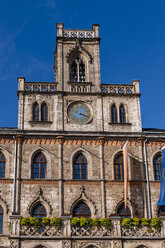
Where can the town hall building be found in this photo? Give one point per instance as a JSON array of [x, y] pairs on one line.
[[65, 159]]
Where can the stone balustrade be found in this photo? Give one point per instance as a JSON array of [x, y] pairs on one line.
[[88, 34], [40, 87], [80, 87], [67, 230]]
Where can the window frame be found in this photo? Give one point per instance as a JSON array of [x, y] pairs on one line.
[[157, 167], [2, 164], [118, 166], [80, 167], [40, 163], [114, 116]]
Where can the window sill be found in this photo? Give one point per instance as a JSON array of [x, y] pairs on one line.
[[119, 123], [41, 122]]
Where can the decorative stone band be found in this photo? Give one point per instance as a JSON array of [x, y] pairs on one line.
[[57, 140], [88, 34], [40, 87]]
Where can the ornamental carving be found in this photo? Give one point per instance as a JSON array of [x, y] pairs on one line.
[[13, 244], [78, 48], [41, 199], [92, 244], [66, 244], [83, 197]]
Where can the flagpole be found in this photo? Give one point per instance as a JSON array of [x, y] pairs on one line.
[[125, 160], [147, 178]]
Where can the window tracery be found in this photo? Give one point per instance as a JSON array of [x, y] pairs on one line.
[[2, 165], [77, 70], [80, 167], [114, 114], [118, 167], [44, 112], [1, 219], [35, 112], [157, 167], [39, 166], [122, 114], [123, 212], [81, 210], [39, 211]]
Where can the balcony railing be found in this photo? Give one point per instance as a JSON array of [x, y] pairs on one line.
[[67, 230], [80, 87], [40, 87], [118, 89]]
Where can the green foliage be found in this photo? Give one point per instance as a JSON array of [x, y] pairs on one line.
[[36, 222], [145, 221], [106, 222], [126, 222], [45, 220], [156, 223], [89, 222], [135, 221], [57, 222], [150, 223]]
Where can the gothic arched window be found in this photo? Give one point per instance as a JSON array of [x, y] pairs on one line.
[[157, 167], [80, 167], [118, 167], [2, 165], [161, 211], [1, 219], [44, 112], [77, 70], [122, 114], [39, 166], [81, 210], [39, 211], [123, 212], [35, 112], [113, 114]]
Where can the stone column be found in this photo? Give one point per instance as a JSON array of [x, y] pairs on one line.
[[116, 226], [66, 221], [18, 172], [21, 87], [163, 226], [15, 225], [101, 141], [60, 162]]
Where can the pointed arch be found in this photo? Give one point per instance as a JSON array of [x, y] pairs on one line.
[[38, 211], [39, 163], [2, 165], [80, 167], [123, 212], [44, 112], [114, 118], [81, 210], [157, 166], [35, 111], [122, 114], [1, 219], [40, 200], [118, 167], [85, 199]]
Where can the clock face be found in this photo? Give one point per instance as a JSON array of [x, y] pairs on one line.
[[79, 112]]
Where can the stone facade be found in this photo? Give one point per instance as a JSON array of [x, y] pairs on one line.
[[60, 138]]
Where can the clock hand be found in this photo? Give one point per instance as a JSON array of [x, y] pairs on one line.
[[82, 113]]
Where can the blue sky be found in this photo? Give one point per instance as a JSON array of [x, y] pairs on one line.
[[132, 47]]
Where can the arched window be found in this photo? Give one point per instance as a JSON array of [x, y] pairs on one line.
[[123, 212], [35, 112], [77, 70], [113, 114], [39, 211], [161, 211], [118, 166], [44, 112], [122, 114], [2, 165], [157, 167], [81, 210], [1, 219], [80, 167], [39, 166]]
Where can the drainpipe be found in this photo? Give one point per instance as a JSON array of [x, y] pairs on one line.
[[15, 174], [147, 178]]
